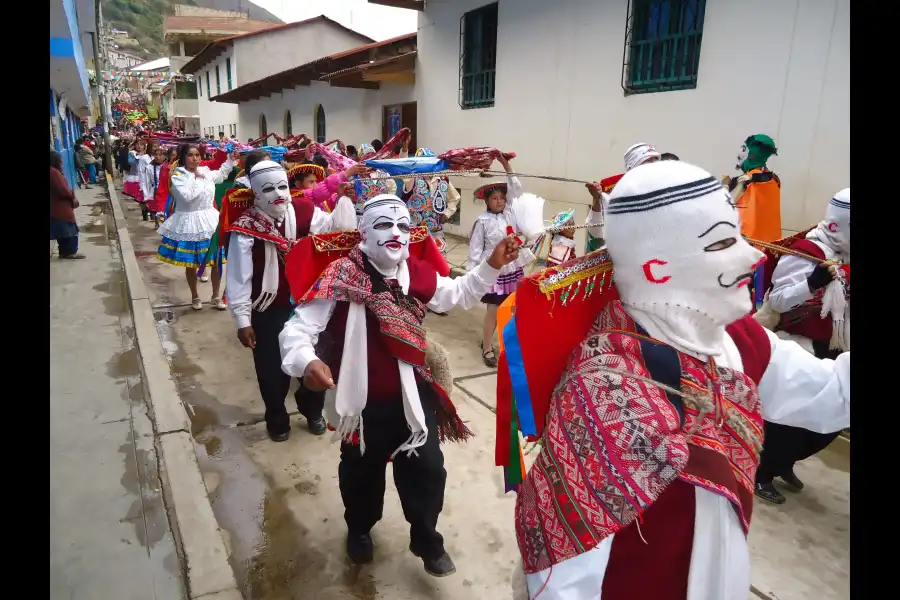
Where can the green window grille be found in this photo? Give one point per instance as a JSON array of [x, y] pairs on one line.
[[662, 45], [478, 57], [208, 91], [199, 87], [228, 71], [218, 81]]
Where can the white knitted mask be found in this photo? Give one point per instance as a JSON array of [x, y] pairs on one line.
[[675, 242], [270, 188], [834, 230], [384, 229]]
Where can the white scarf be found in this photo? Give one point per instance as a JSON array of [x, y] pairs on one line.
[[345, 403], [270, 279], [834, 301]]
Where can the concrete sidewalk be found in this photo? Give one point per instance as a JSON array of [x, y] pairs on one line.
[[109, 533]]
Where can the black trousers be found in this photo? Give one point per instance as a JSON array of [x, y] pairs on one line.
[[420, 480], [784, 445], [273, 382]]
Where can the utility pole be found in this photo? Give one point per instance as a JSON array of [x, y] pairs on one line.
[[101, 88]]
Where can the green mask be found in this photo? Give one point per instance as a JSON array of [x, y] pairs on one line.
[[756, 152]]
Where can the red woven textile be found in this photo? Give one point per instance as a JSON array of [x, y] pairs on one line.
[[474, 157]]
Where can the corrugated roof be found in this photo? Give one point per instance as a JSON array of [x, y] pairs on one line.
[[214, 49], [153, 65], [302, 75]]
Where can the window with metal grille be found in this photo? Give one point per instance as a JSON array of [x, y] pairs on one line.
[[288, 127], [662, 45], [218, 81], [478, 57], [208, 91], [228, 71], [199, 87], [263, 130]]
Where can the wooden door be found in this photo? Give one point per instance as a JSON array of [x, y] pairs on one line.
[[408, 114]]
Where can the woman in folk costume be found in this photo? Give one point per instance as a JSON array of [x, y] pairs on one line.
[[810, 298], [365, 316], [432, 201], [507, 212], [132, 187], [643, 488], [258, 294], [186, 234]]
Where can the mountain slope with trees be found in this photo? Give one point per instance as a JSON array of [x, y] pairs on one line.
[[143, 20]]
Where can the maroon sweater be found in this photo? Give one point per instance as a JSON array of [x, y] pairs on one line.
[[303, 210], [62, 198], [383, 371]]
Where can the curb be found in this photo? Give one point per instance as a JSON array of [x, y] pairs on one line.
[[209, 575]]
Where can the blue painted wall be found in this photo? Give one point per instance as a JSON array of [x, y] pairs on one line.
[[71, 47], [64, 141]]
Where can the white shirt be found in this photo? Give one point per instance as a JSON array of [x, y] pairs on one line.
[[195, 217], [301, 332], [796, 389], [789, 287], [239, 275]]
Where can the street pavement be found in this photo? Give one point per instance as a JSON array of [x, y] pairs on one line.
[[280, 507], [109, 534]]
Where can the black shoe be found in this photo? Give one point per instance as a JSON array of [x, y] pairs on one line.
[[280, 437], [316, 426], [793, 482], [767, 492], [441, 566], [360, 549]]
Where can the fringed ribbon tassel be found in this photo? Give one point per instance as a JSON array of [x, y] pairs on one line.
[[450, 427]]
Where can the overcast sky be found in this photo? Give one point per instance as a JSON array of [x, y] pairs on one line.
[[376, 21]]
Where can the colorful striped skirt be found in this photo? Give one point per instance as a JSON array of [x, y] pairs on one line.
[[506, 285], [189, 254]]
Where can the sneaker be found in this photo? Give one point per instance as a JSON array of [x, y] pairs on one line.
[[280, 437], [793, 482], [440, 566], [360, 549], [218, 303], [197, 304], [767, 492], [73, 256], [205, 277]]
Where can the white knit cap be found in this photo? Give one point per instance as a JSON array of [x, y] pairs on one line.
[[638, 155], [674, 238], [837, 221]]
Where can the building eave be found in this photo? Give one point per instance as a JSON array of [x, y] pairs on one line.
[[318, 70]]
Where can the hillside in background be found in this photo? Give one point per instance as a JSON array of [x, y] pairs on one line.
[[143, 20]]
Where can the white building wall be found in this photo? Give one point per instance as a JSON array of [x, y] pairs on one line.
[[259, 56], [560, 105], [351, 115], [217, 115]]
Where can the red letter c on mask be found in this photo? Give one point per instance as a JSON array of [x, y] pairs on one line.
[[832, 227], [648, 271]]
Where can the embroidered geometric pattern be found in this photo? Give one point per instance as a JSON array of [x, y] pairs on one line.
[[399, 317], [614, 443]]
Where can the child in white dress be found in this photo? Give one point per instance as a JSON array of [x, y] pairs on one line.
[[491, 226]]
